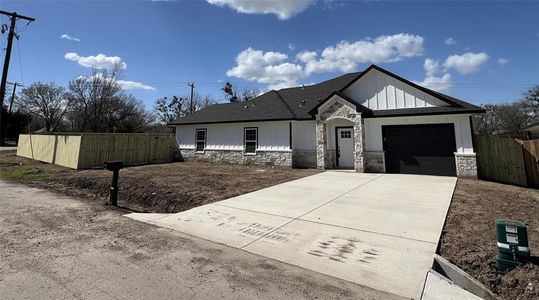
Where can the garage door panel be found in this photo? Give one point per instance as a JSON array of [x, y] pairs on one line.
[[420, 149]]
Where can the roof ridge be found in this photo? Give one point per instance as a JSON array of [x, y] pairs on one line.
[[321, 82], [285, 104]]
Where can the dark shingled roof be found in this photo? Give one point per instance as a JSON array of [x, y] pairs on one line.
[[299, 103]]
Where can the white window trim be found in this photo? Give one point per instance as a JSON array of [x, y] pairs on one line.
[[197, 140], [245, 140]]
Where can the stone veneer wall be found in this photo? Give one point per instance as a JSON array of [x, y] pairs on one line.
[[375, 162], [324, 157], [466, 165], [320, 145], [276, 158], [304, 158], [330, 159]]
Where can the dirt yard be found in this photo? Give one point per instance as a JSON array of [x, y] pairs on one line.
[[469, 237], [169, 187], [57, 247]]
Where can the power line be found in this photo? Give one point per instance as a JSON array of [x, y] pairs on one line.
[[264, 84]]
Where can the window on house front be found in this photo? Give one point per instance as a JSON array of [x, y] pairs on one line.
[[250, 140], [346, 134], [200, 140]]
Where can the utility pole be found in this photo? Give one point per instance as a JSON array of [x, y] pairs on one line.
[[13, 94], [192, 85], [14, 17]]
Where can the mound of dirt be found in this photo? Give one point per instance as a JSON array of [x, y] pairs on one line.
[[469, 237]]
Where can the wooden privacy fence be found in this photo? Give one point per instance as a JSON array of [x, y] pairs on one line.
[[507, 160], [90, 150]]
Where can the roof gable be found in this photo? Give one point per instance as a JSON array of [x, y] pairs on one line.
[[451, 101], [377, 90]]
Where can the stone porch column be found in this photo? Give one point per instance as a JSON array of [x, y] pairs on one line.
[[320, 145], [466, 165], [359, 144]]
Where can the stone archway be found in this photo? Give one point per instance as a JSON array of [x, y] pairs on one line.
[[338, 108]]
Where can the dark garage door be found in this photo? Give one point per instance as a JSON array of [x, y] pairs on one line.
[[420, 149]]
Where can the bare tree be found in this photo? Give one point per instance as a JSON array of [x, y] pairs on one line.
[[90, 96], [47, 101], [168, 110], [100, 104], [531, 100], [505, 118], [233, 94]]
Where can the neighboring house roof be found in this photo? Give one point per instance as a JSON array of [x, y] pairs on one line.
[[534, 128], [301, 103]]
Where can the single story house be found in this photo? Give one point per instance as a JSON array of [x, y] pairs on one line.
[[370, 121], [531, 131]]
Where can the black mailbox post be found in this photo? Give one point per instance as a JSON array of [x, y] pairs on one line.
[[114, 166]]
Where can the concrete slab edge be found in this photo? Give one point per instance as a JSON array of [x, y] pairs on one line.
[[433, 290], [445, 219], [461, 279], [439, 245]]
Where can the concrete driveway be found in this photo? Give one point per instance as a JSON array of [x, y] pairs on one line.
[[378, 230]]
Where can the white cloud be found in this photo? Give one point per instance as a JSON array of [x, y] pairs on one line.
[[266, 67], [276, 70], [345, 56], [291, 47], [440, 84], [66, 36], [99, 61], [133, 85], [124, 84], [450, 41], [432, 67], [503, 61], [284, 9], [466, 63], [306, 56]]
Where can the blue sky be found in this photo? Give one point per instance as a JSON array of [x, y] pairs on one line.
[[481, 52]]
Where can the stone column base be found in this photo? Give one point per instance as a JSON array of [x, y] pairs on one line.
[[375, 162], [466, 165]]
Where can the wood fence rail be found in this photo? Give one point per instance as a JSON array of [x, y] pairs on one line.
[[89, 150], [507, 160]]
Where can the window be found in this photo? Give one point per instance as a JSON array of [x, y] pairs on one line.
[[250, 136], [346, 134], [200, 140]]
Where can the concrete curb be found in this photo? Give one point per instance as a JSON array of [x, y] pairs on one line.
[[461, 279]]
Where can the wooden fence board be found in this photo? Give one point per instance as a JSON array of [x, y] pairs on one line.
[[132, 149], [500, 159], [531, 160], [89, 150]]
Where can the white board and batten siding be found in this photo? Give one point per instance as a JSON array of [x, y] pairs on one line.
[[272, 136], [463, 135], [377, 90]]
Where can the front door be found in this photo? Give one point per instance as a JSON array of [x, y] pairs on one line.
[[345, 147]]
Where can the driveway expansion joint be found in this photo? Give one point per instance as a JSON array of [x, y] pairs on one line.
[[321, 205]]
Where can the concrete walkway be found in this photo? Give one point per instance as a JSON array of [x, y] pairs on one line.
[[8, 148], [380, 231]]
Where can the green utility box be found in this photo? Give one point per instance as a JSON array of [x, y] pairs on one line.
[[512, 240]]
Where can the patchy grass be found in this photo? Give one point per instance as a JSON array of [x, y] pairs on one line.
[[24, 173], [28, 170]]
